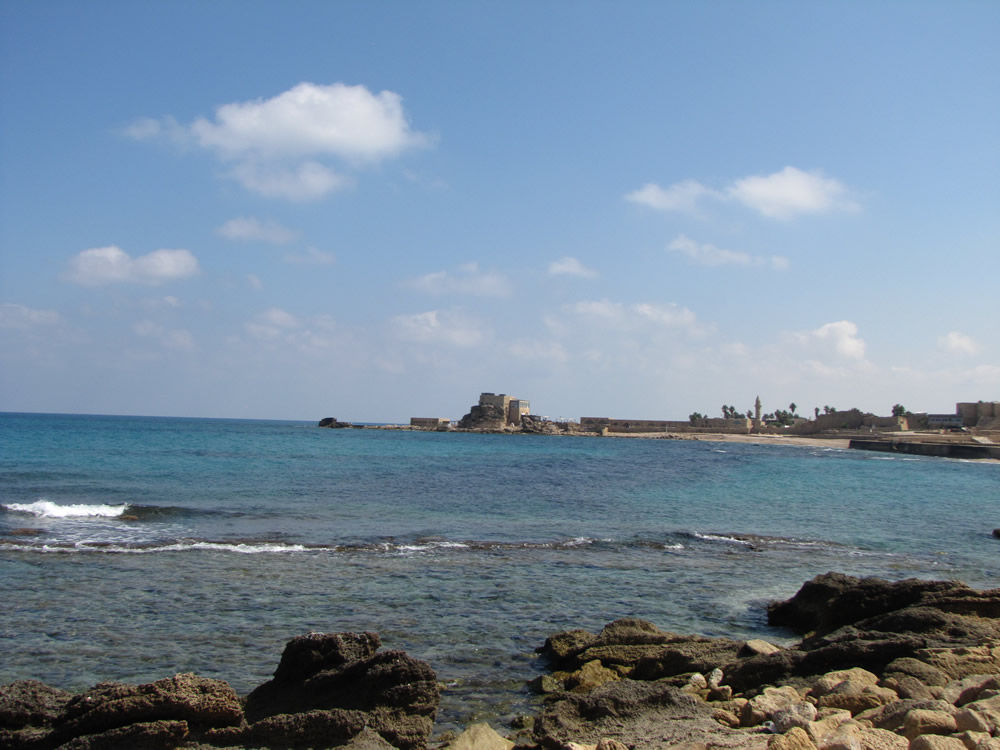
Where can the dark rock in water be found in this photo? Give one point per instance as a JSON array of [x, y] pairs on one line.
[[329, 690], [647, 714], [398, 694], [307, 655], [996, 533], [31, 703], [151, 735], [333, 423], [833, 600], [200, 701]]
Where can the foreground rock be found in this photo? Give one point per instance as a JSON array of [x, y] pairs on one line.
[[908, 665], [329, 690]]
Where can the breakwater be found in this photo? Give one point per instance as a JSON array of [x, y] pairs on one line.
[[940, 450]]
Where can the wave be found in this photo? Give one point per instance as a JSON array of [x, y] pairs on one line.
[[48, 509], [687, 542]]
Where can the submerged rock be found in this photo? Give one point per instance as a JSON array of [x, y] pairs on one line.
[[329, 690]]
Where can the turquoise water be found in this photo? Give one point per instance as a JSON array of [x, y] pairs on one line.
[[134, 548]]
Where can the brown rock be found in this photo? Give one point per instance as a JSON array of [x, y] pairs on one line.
[[926, 673], [936, 742], [30, 703], [968, 720], [962, 661], [919, 721], [761, 707], [200, 701], [906, 686], [855, 697], [795, 739], [152, 735], [881, 739], [590, 676]]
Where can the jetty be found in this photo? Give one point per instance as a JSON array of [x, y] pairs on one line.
[[938, 448]]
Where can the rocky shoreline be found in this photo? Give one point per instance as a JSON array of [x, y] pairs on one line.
[[881, 666]]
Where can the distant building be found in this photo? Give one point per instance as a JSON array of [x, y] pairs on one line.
[[513, 408], [429, 421]]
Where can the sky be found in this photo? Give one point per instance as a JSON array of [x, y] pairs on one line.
[[378, 210]]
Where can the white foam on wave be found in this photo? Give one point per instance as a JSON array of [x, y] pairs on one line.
[[427, 546], [48, 509], [720, 538], [673, 546], [241, 548]]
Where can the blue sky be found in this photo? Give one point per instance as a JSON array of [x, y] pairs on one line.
[[377, 210]]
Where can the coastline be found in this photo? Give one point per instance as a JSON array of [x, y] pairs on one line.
[[906, 665]]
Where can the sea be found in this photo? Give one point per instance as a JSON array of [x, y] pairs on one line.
[[134, 548]]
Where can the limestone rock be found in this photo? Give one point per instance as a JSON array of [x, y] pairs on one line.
[[761, 708], [795, 739], [918, 722], [590, 676], [856, 697], [480, 737], [936, 742], [926, 673], [799, 715]]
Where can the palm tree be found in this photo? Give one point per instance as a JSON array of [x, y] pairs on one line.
[[791, 408]]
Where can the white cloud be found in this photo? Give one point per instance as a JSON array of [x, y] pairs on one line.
[[110, 265], [781, 195], [253, 229], [709, 255], [276, 143], [175, 339], [21, 317], [671, 315], [438, 327], [681, 196], [568, 266], [842, 336], [271, 324], [538, 351], [790, 192], [958, 343], [340, 120], [468, 281], [311, 257], [306, 181], [254, 281]]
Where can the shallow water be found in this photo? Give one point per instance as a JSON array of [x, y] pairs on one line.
[[167, 545]]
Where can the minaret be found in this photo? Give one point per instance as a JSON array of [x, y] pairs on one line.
[[756, 409]]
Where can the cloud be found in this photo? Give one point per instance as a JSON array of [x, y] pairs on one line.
[[306, 181], [839, 338], [253, 229], [340, 120], [790, 192], [710, 255], [625, 318], [681, 196], [276, 143], [467, 281], [176, 339], [112, 265], [438, 327], [19, 317], [311, 257], [568, 266], [271, 323], [782, 195], [958, 343]]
